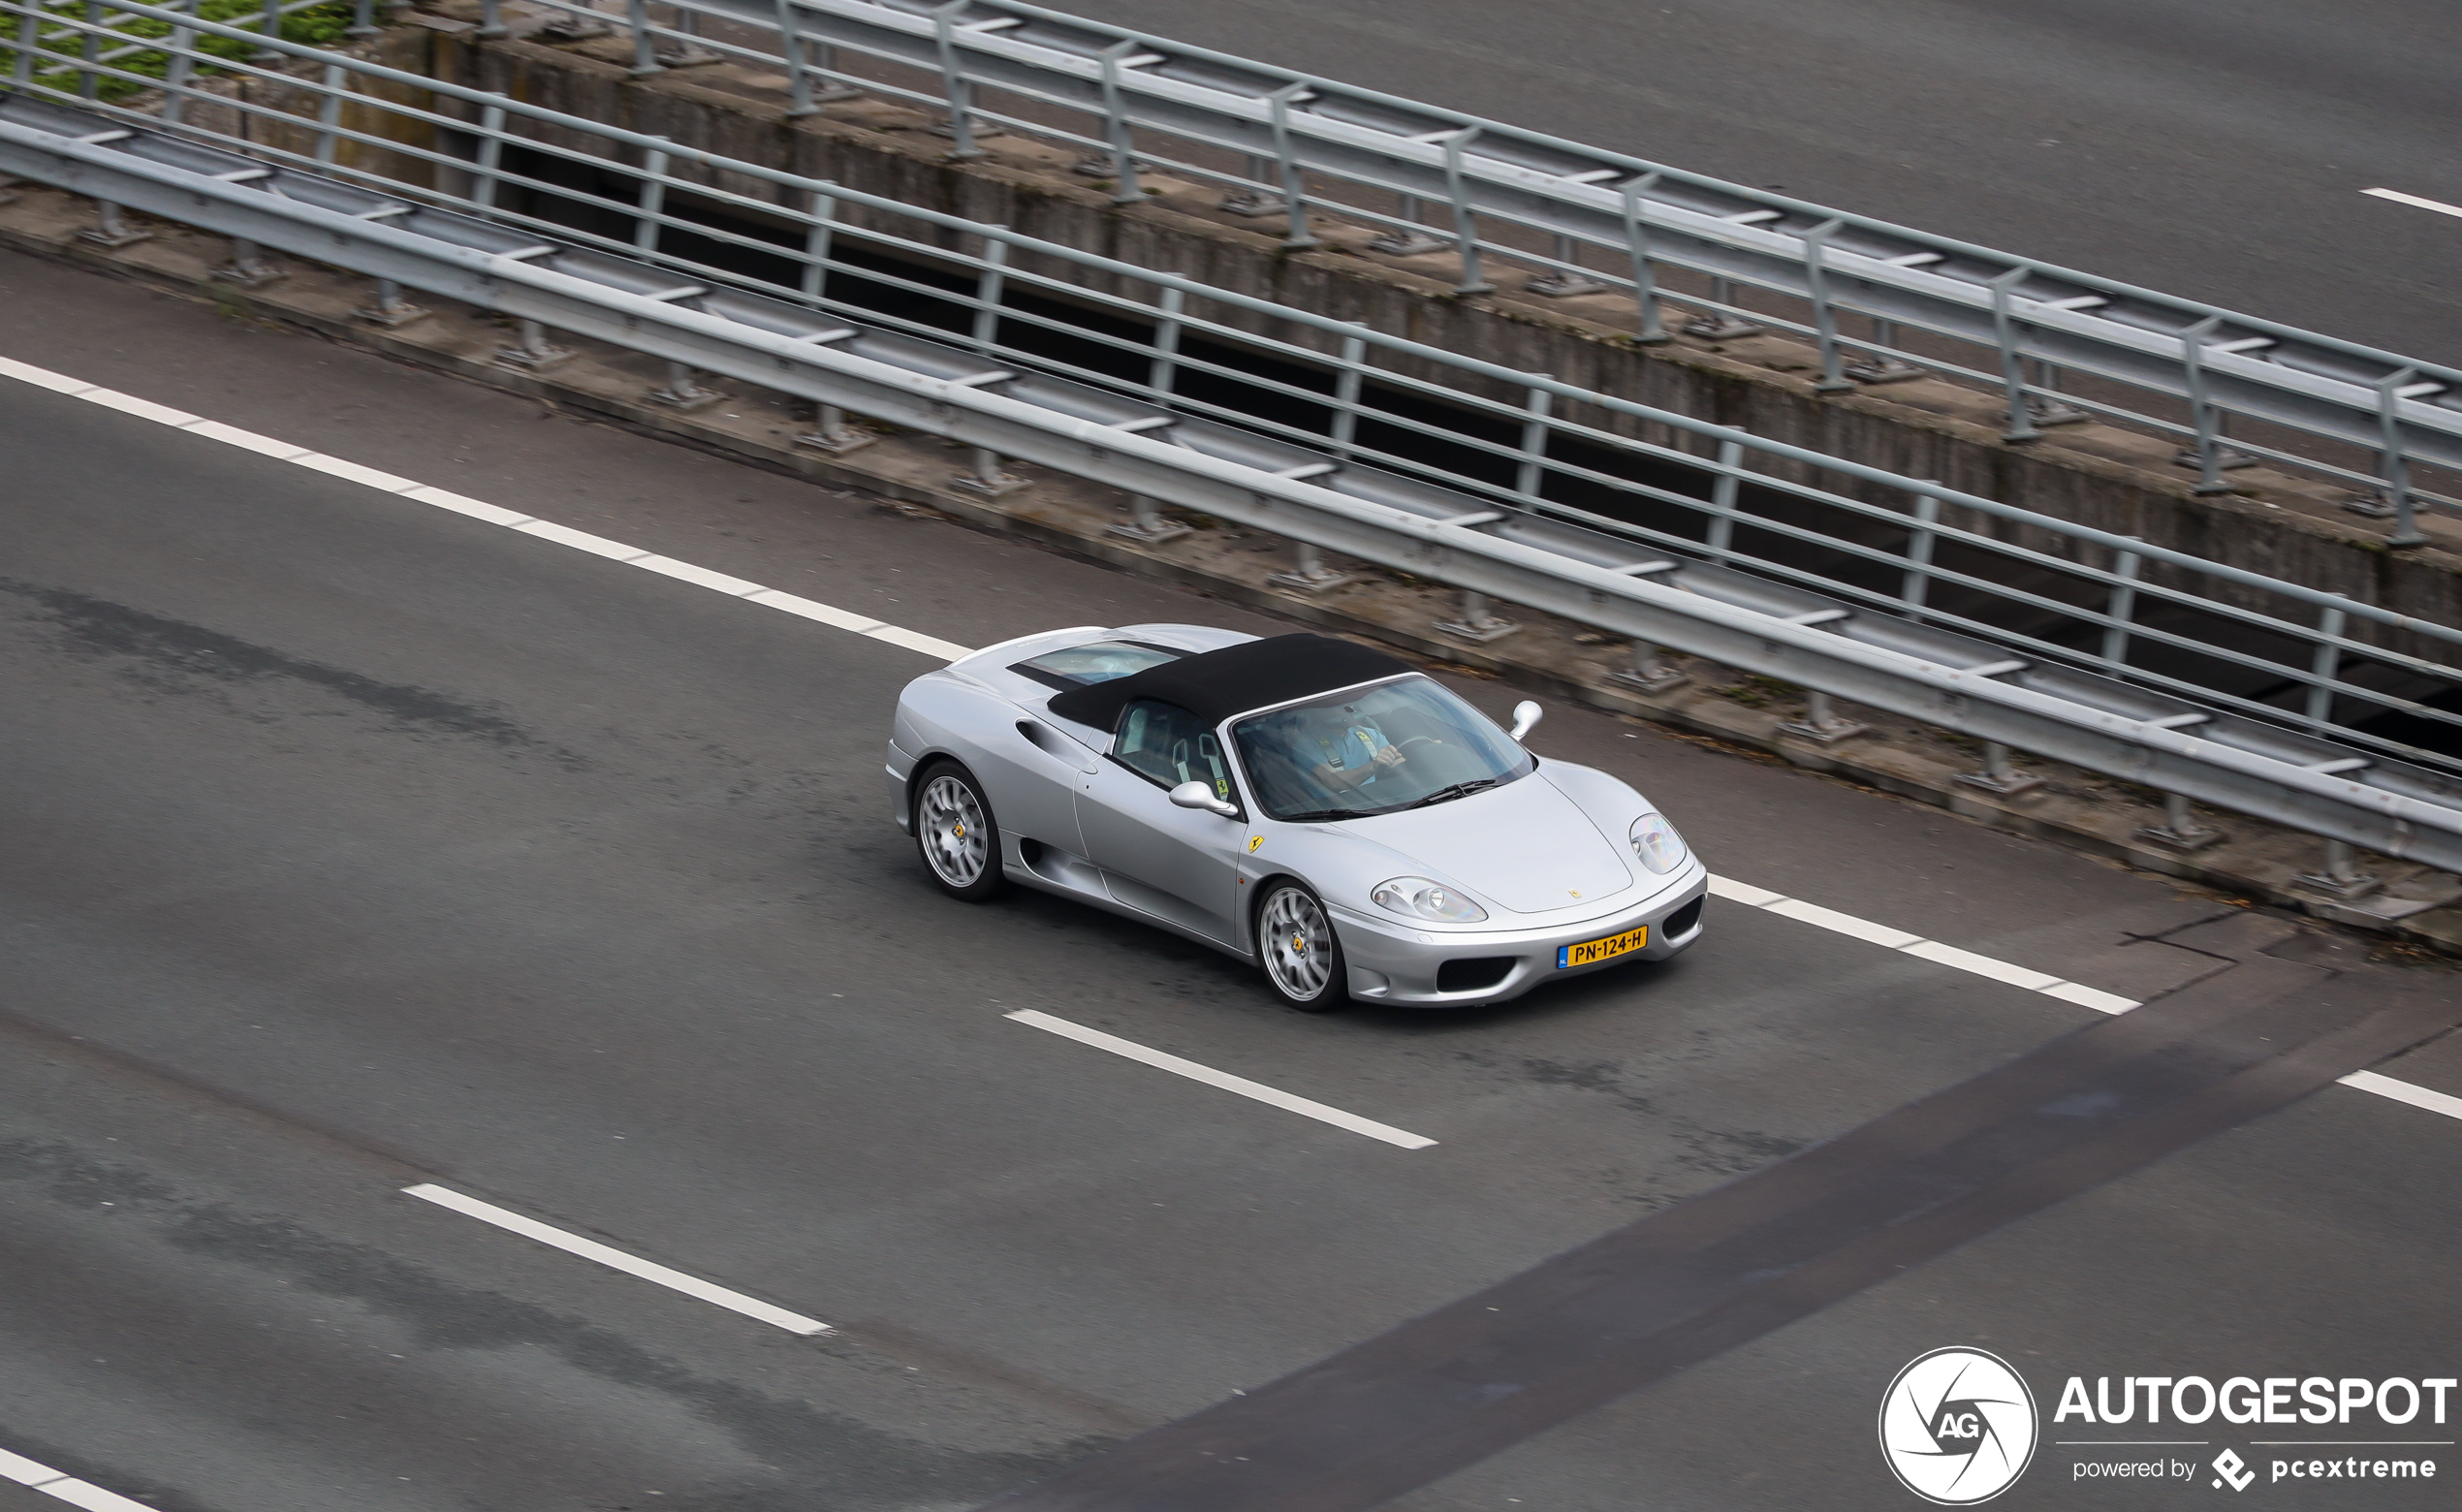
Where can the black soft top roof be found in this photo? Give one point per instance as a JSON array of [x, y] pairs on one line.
[[1214, 685]]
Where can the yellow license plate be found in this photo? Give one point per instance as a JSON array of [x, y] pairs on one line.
[[1590, 952]]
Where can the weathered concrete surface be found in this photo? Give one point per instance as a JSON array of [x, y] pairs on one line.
[[2096, 475], [2078, 809]]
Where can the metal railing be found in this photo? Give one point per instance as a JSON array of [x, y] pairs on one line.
[[1700, 542], [1880, 302]]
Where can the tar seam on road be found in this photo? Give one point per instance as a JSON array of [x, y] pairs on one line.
[[1718, 1271], [930, 645], [1223, 1080], [68, 1488], [617, 1259]]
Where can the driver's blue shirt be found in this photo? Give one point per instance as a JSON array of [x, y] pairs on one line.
[[1356, 746]]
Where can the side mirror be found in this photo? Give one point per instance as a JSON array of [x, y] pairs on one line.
[[1525, 714], [1200, 794]]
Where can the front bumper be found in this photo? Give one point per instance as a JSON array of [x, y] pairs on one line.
[[1392, 963]]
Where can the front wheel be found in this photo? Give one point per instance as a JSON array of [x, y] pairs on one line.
[[1302, 956], [954, 828]]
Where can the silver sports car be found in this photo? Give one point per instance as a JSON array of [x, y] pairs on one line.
[[1304, 804]]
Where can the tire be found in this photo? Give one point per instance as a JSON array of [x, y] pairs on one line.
[[1300, 954], [955, 834]]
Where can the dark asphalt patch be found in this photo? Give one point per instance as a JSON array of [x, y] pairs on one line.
[[1684, 1284], [172, 655]]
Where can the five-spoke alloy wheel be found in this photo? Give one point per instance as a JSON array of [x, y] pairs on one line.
[[954, 828], [1302, 958]]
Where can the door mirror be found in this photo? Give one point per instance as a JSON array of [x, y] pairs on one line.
[[1525, 714], [1200, 794]]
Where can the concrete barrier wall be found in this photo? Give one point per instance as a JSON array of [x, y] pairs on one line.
[[2096, 475]]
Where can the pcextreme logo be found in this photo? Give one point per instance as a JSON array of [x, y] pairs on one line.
[[1958, 1426]]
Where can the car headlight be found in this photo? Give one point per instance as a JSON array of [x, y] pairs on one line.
[[1417, 897], [1657, 844]]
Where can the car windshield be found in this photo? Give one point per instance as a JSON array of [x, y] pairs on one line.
[[1373, 750]]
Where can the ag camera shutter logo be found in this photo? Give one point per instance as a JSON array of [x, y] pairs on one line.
[[1958, 1426]]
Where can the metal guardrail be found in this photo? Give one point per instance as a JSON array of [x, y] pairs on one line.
[[1880, 302], [988, 384]]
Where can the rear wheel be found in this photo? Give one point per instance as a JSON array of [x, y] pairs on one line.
[[954, 829], [1302, 956]]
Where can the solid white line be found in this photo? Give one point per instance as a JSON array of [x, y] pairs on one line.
[[1726, 888], [2413, 200], [1223, 1080], [617, 1259], [52, 1483]]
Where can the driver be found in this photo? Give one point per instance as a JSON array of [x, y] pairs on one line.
[[1347, 752]]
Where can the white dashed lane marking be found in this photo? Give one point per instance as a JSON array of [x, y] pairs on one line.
[[1224, 1080], [68, 1488], [615, 1259], [2414, 202], [1866, 929]]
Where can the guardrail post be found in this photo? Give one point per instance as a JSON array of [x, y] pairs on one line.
[[1294, 180], [1916, 584], [1720, 536], [644, 44], [2340, 877], [30, 35], [1147, 523], [987, 478], [483, 193], [2394, 501], [2120, 607], [832, 433], [1649, 671], [1821, 723], [2048, 407], [688, 52], [532, 352], [1347, 382], [1164, 368], [2005, 333], [491, 20], [2180, 830], [390, 309], [364, 20], [680, 393], [2207, 457], [108, 229], [1116, 128], [1478, 623], [1531, 475], [1252, 197], [1824, 314], [1466, 224], [176, 73], [1312, 575], [804, 54], [954, 82], [650, 215], [269, 25], [329, 114], [816, 243], [989, 288], [90, 51], [1653, 329], [1998, 775], [2323, 667]]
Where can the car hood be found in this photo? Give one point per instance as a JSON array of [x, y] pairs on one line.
[[1524, 845]]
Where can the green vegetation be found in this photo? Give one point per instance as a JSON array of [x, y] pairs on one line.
[[317, 26]]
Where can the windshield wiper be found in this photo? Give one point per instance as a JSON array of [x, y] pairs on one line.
[[1457, 790]]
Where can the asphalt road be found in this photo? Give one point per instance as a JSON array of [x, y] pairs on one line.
[[2215, 149], [351, 844]]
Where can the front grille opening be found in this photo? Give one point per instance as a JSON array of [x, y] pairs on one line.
[[1473, 973], [1681, 922]]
